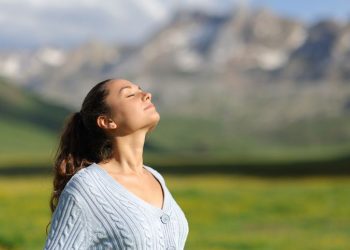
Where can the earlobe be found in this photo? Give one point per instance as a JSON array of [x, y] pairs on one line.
[[105, 123], [112, 124]]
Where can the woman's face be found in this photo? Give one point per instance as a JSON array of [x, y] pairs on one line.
[[128, 103]]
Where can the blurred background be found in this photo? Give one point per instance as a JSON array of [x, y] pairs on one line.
[[254, 99]]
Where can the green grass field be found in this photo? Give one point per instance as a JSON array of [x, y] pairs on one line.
[[224, 212]]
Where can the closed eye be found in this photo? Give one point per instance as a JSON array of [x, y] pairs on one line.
[[133, 94]]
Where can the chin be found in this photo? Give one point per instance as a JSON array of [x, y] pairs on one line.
[[154, 123]]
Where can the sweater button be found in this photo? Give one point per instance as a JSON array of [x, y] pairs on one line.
[[165, 218], [171, 248]]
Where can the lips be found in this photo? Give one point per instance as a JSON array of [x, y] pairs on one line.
[[149, 106]]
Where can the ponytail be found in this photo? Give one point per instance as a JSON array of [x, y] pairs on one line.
[[69, 156], [82, 142]]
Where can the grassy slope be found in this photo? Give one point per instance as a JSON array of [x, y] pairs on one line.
[[197, 140], [28, 126], [23, 106], [25, 144]]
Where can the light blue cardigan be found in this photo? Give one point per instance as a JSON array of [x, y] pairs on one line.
[[96, 212]]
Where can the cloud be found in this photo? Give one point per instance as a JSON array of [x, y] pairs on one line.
[[31, 23], [213, 6], [62, 22]]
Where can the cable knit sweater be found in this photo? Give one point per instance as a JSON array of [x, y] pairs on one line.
[[96, 212]]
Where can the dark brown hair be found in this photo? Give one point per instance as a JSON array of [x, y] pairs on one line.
[[82, 142]]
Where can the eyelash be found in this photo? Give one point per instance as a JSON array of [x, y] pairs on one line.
[[131, 95]]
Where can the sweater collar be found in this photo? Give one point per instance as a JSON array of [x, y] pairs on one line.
[[115, 184]]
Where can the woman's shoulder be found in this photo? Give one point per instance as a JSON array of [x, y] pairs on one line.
[[155, 172], [80, 180]]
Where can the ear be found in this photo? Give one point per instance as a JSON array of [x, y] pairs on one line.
[[106, 123]]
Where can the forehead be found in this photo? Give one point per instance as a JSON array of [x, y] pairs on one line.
[[118, 84], [115, 89]]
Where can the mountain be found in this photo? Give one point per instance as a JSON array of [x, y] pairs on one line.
[[198, 57], [325, 55], [244, 45]]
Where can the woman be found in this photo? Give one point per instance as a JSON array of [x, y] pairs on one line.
[[104, 197]]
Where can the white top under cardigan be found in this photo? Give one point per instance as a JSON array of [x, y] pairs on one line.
[[96, 212]]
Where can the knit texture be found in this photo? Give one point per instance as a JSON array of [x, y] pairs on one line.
[[96, 212]]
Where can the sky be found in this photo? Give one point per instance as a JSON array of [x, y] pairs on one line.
[[30, 23], [309, 11]]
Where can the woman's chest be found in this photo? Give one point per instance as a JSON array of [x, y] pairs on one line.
[[148, 189], [119, 223]]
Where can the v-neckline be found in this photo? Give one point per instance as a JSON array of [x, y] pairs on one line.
[[133, 196]]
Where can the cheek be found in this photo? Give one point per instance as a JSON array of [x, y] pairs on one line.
[[129, 113]]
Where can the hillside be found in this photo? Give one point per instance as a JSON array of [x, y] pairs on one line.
[[28, 126], [180, 139], [20, 105]]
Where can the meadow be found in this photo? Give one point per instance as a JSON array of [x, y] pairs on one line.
[[225, 212]]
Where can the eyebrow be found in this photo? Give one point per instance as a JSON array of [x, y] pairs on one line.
[[127, 87]]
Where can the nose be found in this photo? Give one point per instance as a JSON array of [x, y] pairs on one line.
[[147, 95]]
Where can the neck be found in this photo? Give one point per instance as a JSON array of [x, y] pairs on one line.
[[127, 154]]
